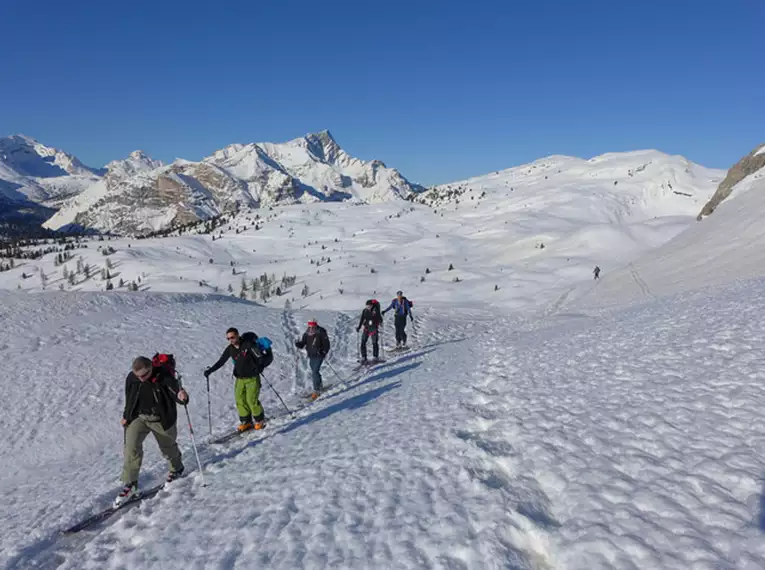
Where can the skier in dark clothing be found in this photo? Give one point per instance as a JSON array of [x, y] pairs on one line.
[[596, 272], [402, 308], [316, 343], [247, 370], [371, 320], [151, 395]]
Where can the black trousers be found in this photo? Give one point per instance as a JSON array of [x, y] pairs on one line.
[[365, 335], [400, 322]]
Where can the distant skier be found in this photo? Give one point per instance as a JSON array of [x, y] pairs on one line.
[[371, 320], [402, 308], [315, 340], [248, 365], [151, 395], [596, 272]]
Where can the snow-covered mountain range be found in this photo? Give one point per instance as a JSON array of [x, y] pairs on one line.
[[139, 194]]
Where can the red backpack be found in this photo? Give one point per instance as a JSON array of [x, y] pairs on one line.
[[164, 361], [375, 309]]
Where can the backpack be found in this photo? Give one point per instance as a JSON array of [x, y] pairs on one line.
[[166, 362], [263, 352], [375, 309]]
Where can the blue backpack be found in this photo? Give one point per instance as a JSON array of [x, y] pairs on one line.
[[266, 357]]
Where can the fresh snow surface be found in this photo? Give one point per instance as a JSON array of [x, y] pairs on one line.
[[761, 151], [629, 441]]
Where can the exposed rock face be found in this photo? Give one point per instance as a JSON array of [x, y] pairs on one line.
[[748, 165]]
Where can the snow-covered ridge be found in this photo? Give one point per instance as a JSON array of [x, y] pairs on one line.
[[751, 167], [33, 171]]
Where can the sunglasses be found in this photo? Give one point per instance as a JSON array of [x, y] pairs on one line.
[[145, 374]]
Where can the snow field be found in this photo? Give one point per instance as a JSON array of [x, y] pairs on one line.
[[641, 432]]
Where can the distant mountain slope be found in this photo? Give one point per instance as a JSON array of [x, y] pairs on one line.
[[619, 186], [725, 247]]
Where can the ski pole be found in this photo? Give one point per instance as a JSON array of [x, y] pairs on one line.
[[209, 414], [194, 445], [277, 395], [332, 368], [191, 431]]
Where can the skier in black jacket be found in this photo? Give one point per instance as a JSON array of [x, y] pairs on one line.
[[151, 395], [315, 340], [247, 370], [371, 320]]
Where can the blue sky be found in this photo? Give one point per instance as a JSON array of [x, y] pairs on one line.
[[441, 90]]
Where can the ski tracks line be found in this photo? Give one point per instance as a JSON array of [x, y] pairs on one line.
[[291, 331], [640, 283], [489, 442]]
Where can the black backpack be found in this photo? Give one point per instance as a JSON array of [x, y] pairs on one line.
[[261, 349]]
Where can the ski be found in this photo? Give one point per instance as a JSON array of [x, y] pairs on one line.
[[228, 436], [367, 365], [106, 513], [236, 433]]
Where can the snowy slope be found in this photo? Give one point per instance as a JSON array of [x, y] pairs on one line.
[[525, 236], [724, 247], [630, 442], [552, 423]]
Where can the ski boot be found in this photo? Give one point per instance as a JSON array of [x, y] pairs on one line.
[[127, 493], [173, 475]]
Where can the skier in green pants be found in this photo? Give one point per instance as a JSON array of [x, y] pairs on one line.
[[247, 368]]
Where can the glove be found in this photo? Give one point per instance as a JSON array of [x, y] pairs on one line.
[[358, 329], [207, 373], [297, 343]]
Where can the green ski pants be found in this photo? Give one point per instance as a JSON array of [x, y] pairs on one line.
[[247, 393], [136, 432]]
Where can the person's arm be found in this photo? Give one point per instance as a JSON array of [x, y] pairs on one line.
[[221, 361], [127, 397], [361, 320], [172, 384], [302, 342]]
